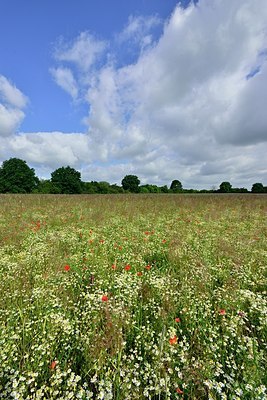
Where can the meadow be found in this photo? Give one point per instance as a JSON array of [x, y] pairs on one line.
[[133, 297]]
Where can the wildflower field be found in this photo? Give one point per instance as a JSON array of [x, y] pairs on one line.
[[133, 297]]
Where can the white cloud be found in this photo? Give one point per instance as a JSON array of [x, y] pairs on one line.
[[65, 79], [139, 31], [51, 148], [10, 94], [83, 51], [189, 98], [10, 120], [12, 102]]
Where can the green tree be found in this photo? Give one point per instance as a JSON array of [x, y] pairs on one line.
[[67, 180], [103, 187], [45, 186], [17, 177], [164, 189], [144, 189], [90, 187], [149, 189], [114, 188], [225, 187], [257, 188], [131, 183], [176, 186]]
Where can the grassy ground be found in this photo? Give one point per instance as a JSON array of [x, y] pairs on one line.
[[133, 297]]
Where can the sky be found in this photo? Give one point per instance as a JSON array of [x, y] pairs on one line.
[[155, 88]]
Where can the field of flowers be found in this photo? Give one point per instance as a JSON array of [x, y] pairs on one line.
[[133, 297]]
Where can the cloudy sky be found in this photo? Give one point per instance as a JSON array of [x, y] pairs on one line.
[[155, 88]]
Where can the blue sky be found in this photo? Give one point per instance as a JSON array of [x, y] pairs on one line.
[[160, 89]]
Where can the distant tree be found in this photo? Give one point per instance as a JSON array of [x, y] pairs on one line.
[[149, 189], [103, 187], [225, 187], [257, 188], [115, 188], [143, 189], [67, 180], [176, 186], [45, 186], [164, 189], [17, 177], [154, 189], [131, 183], [239, 190]]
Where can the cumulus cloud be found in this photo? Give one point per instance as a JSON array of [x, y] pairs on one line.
[[10, 120], [83, 51], [188, 97], [12, 102], [10, 94], [139, 31], [65, 79], [50, 148]]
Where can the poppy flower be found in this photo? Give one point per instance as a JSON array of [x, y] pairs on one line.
[[179, 391], [139, 273], [148, 267], [127, 267], [222, 312], [67, 268], [173, 340], [113, 266], [177, 319], [53, 365], [104, 298]]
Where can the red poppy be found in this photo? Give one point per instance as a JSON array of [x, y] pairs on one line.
[[179, 391], [139, 273], [127, 267], [67, 268], [113, 266], [104, 298], [173, 340], [164, 241], [222, 311], [148, 267], [177, 319], [53, 365]]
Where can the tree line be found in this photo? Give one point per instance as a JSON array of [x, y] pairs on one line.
[[17, 177]]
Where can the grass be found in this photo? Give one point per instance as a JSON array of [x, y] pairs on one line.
[[133, 297]]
